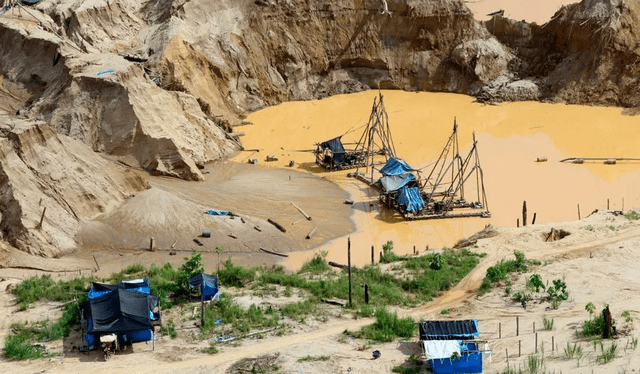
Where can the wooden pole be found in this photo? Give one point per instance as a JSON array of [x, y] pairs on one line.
[[201, 312], [308, 217], [519, 348], [276, 224], [414, 249], [151, 244], [524, 213], [578, 211], [312, 232], [96, 261], [500, 330], [349, 265], [534, 327], [533, 222], [622, 205], [536, 342], [552, 343], [42, 218], [372, 256], [518, 222], [607, 204], [517, 326], [506, 353]]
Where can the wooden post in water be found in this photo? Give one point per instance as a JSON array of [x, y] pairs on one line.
[[607, 204], [372, 256], [524, 213], [622, 210], [518, 222], [578, 211], [533, 222], [349, 265]]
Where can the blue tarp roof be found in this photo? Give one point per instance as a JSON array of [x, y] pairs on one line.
[[335, 145], [410, 197], [392, 183], [395, 166], [449, 330]]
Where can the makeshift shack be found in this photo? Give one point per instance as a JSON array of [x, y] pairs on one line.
[[451, 347], [399, 186], [207, 285], [126, 310]]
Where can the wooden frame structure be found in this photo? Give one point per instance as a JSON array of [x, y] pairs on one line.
[[443, 191], [374, 143]]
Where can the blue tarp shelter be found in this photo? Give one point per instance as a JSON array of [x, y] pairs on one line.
[[410, 198], [125, 309], [336, 147], [395, 166], [207, 284], [446, 346], [392, 183]]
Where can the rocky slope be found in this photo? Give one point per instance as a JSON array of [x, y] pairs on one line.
[[161, 84], [589, 53]]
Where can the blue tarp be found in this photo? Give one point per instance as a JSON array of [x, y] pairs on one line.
[[207, 284], [125, 308], [411, 199], [392, 183], [470, 361], [449, 330], [218, 212], [335, 145], [395, 166]]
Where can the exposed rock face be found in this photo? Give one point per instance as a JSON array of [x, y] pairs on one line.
[[588, 53]]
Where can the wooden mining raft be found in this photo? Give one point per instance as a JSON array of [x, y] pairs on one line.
[[374, 147]]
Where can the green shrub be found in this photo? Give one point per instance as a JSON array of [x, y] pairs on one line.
[[535, 283], [632, 214], [212, 349], [387, 253], [317, 265], [35, 288], [627, 316], [388, 327], [547, 323], [235, 276], [19, 347], [192, 266], [596, 324], [499, 271], [135, 268], [607, 355], [169, 329], [436, 262], [572, 351]]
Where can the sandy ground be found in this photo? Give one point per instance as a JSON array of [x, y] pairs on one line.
[[598, 261]]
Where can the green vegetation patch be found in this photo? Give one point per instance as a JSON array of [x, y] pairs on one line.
[[387, 327]]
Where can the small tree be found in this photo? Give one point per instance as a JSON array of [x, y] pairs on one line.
[[192, 266]]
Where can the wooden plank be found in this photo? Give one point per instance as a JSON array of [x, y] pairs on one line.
[[273, 252], [308, 217], [277, 225]]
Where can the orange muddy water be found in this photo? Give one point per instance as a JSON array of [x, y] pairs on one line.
[[511, 136]]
